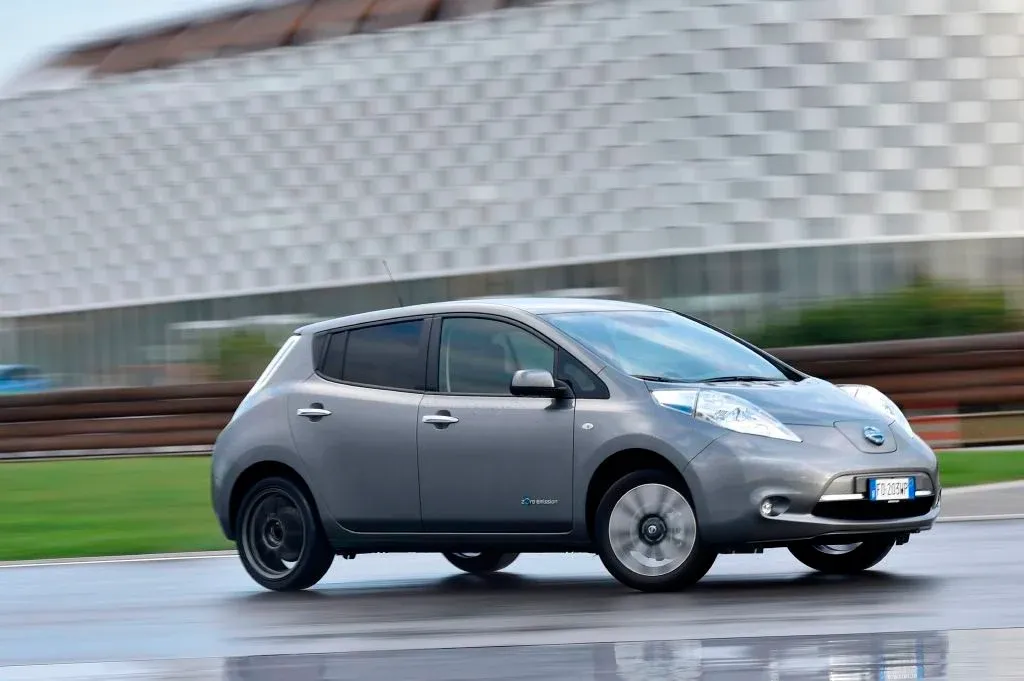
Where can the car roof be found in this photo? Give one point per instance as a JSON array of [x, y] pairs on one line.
[[531, 305]]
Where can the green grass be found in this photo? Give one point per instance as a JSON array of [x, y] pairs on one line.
[[959, 468], [60, 509]]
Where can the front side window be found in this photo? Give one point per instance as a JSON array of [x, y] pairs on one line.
[[480, 356], [660, 344], [386, 356]]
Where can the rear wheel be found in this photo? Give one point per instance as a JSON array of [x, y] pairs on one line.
[[843, 559], [647, 534], [280, 541], [482, 562]]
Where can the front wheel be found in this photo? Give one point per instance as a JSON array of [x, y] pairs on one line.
[[647, 534], [843, 559], [481, 563], [280, 541]]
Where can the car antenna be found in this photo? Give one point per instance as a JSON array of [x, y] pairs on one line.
[[398, 293]]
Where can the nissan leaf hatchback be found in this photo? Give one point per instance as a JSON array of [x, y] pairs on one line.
[[483, 429]]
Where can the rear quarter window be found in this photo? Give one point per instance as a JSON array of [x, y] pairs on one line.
[[387, 355]]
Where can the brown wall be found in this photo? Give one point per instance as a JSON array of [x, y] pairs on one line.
[[979, 373]]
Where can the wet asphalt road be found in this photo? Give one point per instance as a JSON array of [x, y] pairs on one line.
[[415, 617]]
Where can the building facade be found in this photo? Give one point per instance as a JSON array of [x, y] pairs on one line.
[[729, 159]]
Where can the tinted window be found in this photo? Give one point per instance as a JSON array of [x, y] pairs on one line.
[[319, 347], [387, 356], [583, 382], [663, 344], [334, 357], [480, 356]]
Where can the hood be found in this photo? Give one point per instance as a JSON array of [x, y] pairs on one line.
[[810, 402]]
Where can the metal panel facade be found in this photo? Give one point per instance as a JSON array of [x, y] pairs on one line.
[[570, 132]]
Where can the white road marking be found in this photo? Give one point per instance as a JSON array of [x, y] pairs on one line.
[[100, 560]]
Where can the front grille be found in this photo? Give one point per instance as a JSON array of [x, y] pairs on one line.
[[873, 510]]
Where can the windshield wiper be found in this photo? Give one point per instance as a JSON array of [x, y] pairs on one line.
[[713, 379], [658, 379]]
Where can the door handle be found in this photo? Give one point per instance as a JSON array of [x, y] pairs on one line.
[[440, 419], [313, 412]]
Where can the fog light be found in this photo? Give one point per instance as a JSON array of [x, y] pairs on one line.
[[772, 507]]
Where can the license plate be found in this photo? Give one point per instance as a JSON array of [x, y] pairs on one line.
[[891, 489]]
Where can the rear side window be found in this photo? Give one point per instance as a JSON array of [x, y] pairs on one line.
[[385, 356], [334, 357]]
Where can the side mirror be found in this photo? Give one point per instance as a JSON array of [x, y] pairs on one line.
[[538, 383]]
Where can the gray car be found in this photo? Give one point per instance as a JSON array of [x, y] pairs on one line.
[[483, 429]]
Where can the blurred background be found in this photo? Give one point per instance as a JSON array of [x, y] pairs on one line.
[[184, 183]]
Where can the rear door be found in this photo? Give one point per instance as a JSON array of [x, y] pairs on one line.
[[355, 421]]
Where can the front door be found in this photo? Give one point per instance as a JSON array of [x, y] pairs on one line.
[[491, 462]]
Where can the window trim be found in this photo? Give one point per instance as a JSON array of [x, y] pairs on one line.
[[422, 349], [434, 356]]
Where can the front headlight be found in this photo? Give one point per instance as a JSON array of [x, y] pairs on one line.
[[725, 411], [877, 400]]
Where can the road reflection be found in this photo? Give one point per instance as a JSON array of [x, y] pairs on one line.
[[965, 655], [876, 657]]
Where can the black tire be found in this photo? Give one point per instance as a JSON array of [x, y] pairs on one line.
[[481, 563], [675, 514], [288, 516], [823, 558]]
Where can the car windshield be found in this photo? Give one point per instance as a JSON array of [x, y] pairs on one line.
[[662, 345]]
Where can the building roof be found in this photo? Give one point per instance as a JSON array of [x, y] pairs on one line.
[[248, 26]]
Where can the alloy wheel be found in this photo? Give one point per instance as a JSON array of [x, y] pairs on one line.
[[652, 530]]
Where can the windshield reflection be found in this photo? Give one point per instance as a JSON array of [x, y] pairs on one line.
[[659, 344]]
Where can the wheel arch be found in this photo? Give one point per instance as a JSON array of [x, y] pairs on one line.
[[262, 470], [623, 463]]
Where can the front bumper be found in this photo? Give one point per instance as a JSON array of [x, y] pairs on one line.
[[818, 486]]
